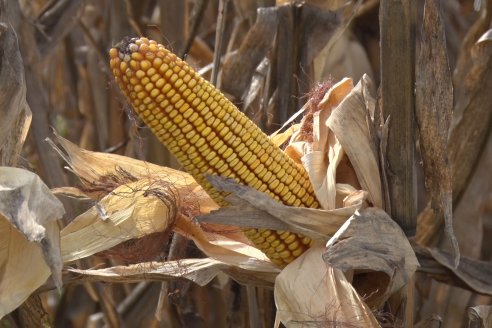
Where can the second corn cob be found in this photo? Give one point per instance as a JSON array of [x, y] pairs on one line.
[[209, 135]]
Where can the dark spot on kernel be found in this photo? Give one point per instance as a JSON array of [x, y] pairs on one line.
[[124, 45]]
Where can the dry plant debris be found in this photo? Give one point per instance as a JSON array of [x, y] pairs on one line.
[[123, 212], [30, 239]]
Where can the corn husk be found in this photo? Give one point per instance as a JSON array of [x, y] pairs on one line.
[[131, 211], [29, 247], [342, 162], [341, 131], [318, 288], [228, 250], [91, 166], [480, 316], [349, 123], [260, 211], [382, 253], [161, 198], [309, 292], [200, 271]]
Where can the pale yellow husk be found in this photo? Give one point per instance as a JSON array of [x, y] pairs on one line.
[[309, 292], [29, 247], [126, 213]]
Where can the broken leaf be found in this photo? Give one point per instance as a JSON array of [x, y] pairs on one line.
[[309, 292], [29, 247], [252, 208], [433, 108], [480, 316], [381, 255]]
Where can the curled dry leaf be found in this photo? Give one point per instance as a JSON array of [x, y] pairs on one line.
[[471, 274], [342, 150], [29, 247], [480, 316], [15, 112], [200, 271], [239, 67], [251, 208], [433, 109], [309, 292], [349, 124], [382, 255]]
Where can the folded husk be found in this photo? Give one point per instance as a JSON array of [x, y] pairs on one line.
[[29, 247], [309, 292], [342, 151], [382, 254], [130, 211], [147, 205]]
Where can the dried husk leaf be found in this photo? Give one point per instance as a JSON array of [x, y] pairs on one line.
[[313, 154], [280, 138], [14, 110], [238, 68], [349, 124], [93, 167], [472, 274], [480, 316], [251, 208], [241, 261], [29, 247], [381, 253], [72, 192], [433, 108], [125, 202], [130, 211], [309, 292], [342, 150], [238, 253], [199, 271]]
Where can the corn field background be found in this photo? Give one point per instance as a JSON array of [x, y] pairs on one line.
[[266, 57]]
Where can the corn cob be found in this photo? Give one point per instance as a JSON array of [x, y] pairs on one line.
[[209, 135]]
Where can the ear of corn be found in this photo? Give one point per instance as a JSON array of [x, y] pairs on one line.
[[209, 135]]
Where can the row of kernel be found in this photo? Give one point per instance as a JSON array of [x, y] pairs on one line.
[[174, 97], [221, 145]]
